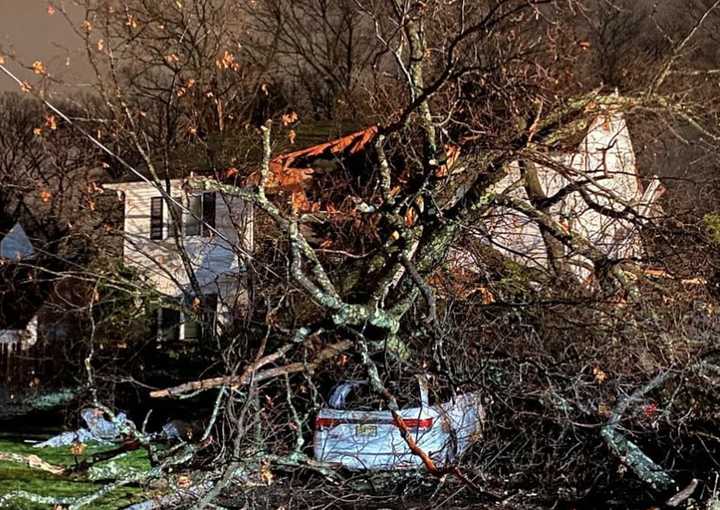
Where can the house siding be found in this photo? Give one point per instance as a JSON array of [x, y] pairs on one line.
[[212, 258]]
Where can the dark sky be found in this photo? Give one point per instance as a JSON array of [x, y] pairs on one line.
[[29, 32]]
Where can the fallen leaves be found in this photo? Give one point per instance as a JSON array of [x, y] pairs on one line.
[[227, 61], [265, 474], [78, 449]]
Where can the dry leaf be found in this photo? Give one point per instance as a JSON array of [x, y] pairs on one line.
[[25, 87], [100, 44], [37, 131], [265, 473], [38, 67], [50, 10], [45, 196], [488, 297], [2, 60], [299, 202], [78, 449], [51, 122], [131, 21], [184, 481], [227, 61], [289, 118], [87, 26], [410, 217], [291, 136], [600, 375]]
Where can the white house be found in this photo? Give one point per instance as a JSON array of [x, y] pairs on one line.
[[16, 245], [216, 233], [604, 168]]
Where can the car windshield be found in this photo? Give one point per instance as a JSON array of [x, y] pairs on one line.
[[356, 396]]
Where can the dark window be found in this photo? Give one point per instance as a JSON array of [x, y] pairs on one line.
[[156, 218], [168, 324], [200, 219], [195, 215], [178, 209], [210, 316], [204, 329], [208, 213]]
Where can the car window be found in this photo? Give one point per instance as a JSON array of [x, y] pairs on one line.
[[356, 395]]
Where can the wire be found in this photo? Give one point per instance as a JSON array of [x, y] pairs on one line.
[[124, 163]]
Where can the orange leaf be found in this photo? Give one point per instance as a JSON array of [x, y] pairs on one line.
[[299, 201], [289, 118], [410, 217], [39, 68]]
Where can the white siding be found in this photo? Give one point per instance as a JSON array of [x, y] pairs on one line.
[[27, 337], [605, 156], [213, 258], [16, 245]]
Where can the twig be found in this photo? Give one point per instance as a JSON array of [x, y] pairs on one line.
[[33, 462]]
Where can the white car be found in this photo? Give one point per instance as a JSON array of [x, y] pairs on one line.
[[361, 439]]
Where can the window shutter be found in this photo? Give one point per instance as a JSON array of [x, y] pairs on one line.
[[156, 218], [208, 213]]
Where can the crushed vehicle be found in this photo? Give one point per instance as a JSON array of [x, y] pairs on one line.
[[349, 434]]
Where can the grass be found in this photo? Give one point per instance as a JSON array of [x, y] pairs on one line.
[[15, 477]]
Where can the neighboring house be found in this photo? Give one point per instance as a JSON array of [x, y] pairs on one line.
[[608, 188], [18, 326], [214, 230], [15, 244]]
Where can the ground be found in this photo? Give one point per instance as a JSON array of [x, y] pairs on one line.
[[15, 477]]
